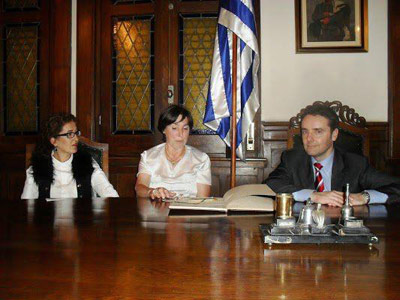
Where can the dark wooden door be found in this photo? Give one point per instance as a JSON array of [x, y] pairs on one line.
[[24, 74], [35, 76], [152, 54]]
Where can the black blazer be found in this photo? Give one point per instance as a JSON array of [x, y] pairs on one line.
[[295, 173]]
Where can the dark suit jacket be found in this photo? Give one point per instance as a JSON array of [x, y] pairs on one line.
[[295, 173]]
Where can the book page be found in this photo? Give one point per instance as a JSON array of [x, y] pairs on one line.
[[248, 189], [210, 203], [251, 197]]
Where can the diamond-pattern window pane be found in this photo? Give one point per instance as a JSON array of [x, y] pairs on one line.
[[133, 82], [115, 2], [21, 80], [197, 34], [10, 5]]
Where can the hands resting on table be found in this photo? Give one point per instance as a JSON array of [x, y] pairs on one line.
[[335, 198], [331, 198], [160, 193]]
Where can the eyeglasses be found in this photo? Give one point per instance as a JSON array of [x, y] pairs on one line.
[[70, 135]]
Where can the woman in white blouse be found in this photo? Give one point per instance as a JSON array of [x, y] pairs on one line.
[[173, 167], [61, 169]]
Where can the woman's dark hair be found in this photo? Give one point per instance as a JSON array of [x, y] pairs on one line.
[[51, 129], [323, 111], [171, 114]]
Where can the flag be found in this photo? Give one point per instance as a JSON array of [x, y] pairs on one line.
[[235, 16]]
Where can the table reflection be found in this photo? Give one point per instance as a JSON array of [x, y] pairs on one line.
[[136, 249]]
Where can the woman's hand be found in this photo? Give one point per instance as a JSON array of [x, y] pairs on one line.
[[160, 193]]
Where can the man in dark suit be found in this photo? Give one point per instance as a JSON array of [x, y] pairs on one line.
[[320, 171]]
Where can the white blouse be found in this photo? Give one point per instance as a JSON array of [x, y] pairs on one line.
[[64, 184], [182, 178]]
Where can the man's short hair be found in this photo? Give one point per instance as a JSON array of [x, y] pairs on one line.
[[324, 111]]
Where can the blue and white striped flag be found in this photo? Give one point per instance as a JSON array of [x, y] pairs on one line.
[[236, 16]]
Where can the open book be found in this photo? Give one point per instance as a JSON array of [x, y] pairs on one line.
[[249, 197]]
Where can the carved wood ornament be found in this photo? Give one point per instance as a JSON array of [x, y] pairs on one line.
[[346, 114]]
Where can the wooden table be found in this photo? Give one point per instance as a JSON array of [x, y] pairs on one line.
[[132, 249]]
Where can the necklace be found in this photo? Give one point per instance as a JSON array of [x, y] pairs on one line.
[[172, 160]]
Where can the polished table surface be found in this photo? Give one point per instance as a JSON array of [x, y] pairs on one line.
[[134, 249]]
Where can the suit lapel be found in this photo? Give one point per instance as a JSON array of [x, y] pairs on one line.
[[337, 172], [308, 173]]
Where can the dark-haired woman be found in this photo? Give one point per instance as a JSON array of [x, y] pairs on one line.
[[173, 167], [60, 168]]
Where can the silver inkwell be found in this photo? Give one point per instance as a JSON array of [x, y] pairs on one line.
[[349, 225], [310, 226]]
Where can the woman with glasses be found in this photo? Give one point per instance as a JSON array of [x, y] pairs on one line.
[[60, 168]]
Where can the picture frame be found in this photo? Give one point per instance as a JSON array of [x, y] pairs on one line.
[[329, 26]]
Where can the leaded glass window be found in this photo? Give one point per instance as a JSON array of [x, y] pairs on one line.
[[133, 75], [13, 5], [21, 78], [196, 39]]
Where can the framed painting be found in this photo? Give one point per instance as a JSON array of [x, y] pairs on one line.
[[331, 26]]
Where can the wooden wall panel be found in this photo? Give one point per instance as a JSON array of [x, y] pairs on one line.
[[394, 77], [123, 172], [379, 145], [60, 56], [85, 67], [274, 135], [393, 166], [12, 171], [246, 173]]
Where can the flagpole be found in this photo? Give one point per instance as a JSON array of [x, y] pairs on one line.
[[233, 118], [235, 47]]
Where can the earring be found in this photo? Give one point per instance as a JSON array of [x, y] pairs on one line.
[[55, 149]]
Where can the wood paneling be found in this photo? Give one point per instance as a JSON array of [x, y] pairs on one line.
[[60, 56], [393, 166], [12, 170], [85, 67], [54, 95], [42, 17], [394, 76], [250, 172]]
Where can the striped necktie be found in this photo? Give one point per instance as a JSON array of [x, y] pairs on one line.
[[319, 181]]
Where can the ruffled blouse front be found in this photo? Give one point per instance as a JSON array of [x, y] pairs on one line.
[[183, 177]]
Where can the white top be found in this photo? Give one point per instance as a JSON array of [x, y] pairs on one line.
[[64, 184], [182, 178]]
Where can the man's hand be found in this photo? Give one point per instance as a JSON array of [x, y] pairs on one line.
[[357, 199], [333, 198]]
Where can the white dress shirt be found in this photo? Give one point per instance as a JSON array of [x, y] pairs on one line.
[[64, 184], [182, 178]]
